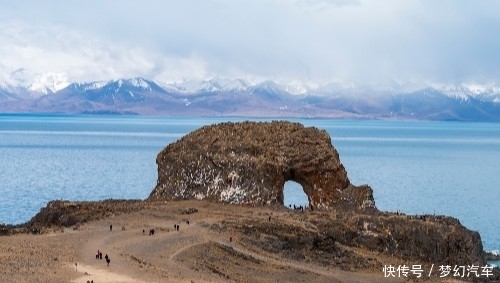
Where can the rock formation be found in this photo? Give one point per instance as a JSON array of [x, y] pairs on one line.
[[249, 162]]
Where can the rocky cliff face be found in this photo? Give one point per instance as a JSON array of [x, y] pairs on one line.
[[249, 162]]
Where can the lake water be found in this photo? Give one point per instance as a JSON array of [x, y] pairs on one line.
[[448, 168]]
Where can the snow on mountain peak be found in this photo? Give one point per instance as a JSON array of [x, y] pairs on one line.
[[42, 83], [476, 88], [466, 91], [38, 84], [208, 85], [50, 82], [140, 83], [91, 85], [298, 87], [96, 85]]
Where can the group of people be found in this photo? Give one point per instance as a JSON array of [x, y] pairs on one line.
[[152, 231], [300, 207], [98, 255]]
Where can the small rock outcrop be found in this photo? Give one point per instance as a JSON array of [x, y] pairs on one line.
[[249, 162]]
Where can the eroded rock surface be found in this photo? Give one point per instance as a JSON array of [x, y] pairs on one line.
[[249, 162]]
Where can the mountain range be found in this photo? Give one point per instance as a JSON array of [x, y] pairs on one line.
[[238, 97]]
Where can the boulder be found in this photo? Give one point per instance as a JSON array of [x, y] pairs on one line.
[[249, 162]]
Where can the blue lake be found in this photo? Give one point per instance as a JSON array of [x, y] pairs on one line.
[[448, 168]]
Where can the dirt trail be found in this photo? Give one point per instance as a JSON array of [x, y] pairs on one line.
[[136, 256], [200, 251]]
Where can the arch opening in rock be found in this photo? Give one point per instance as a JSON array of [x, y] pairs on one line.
[[249, 162], [294, 195]]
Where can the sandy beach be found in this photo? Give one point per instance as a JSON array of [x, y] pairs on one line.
[[208, 247]]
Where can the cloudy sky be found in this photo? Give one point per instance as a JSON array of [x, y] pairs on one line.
[[315, 41]]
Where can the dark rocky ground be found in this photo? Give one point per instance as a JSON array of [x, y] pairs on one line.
[[352, 240]]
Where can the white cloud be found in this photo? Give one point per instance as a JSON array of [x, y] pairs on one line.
[[83, 56], [296, 40]]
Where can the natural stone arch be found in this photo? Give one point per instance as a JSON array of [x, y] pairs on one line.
[[249, 162], [294, 194]]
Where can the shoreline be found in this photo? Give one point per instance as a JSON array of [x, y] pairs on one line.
[[491, 256]]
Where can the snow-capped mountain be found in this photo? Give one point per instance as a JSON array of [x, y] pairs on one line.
[[206, 86], [238, 97], [117, 86], [36, 83]]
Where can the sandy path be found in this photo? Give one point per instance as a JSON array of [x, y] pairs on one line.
[[130, 262], [199, 252], [139, 258], [102, 275], [134, 255]]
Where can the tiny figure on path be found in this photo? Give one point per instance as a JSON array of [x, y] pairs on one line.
[[110, 227], [108, 260]]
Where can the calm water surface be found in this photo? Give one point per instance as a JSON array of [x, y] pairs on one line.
[[446, 168]]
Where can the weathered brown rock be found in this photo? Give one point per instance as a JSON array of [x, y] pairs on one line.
[[249, 162]]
